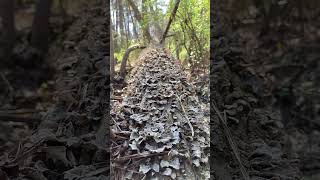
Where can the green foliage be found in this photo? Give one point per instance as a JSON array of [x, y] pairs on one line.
[[119, 54], [192, 29], [188, 36], [121, 48]]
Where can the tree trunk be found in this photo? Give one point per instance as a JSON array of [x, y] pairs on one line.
[[117, 24], [173, 14], [139, 17], [8, 31], [126, 57], [40, 27], [111, 45], [156, 23], [127, 25], [121, 18], [112, 61], [135, 30]]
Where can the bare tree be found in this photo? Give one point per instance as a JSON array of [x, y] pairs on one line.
[[40, 27], [173, 14], [8, 31]]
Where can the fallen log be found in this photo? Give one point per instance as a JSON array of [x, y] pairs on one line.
[[169, 134]]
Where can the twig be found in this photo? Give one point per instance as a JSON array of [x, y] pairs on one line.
[[7, 82], [185, 115], [115, 136], [230, 140], [18, 151], [137, 156], [26, 152], [115, 123]]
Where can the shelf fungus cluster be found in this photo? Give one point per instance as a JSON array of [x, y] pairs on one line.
[[159, 130]]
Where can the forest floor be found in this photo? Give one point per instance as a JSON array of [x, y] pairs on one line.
[[269, 97], [268, 86], [57, 105]]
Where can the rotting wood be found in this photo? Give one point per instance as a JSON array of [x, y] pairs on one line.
[[161, 112]]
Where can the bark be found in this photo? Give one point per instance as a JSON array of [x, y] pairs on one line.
[[126, 57], [8, 31], [40, 27], [173, 14]]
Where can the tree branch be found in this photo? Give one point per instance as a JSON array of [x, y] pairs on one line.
[[126, 57], [173, 14]]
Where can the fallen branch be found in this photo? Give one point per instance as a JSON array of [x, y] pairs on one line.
[[140, 155], [7, 82], [126, 57], [185, 115]]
